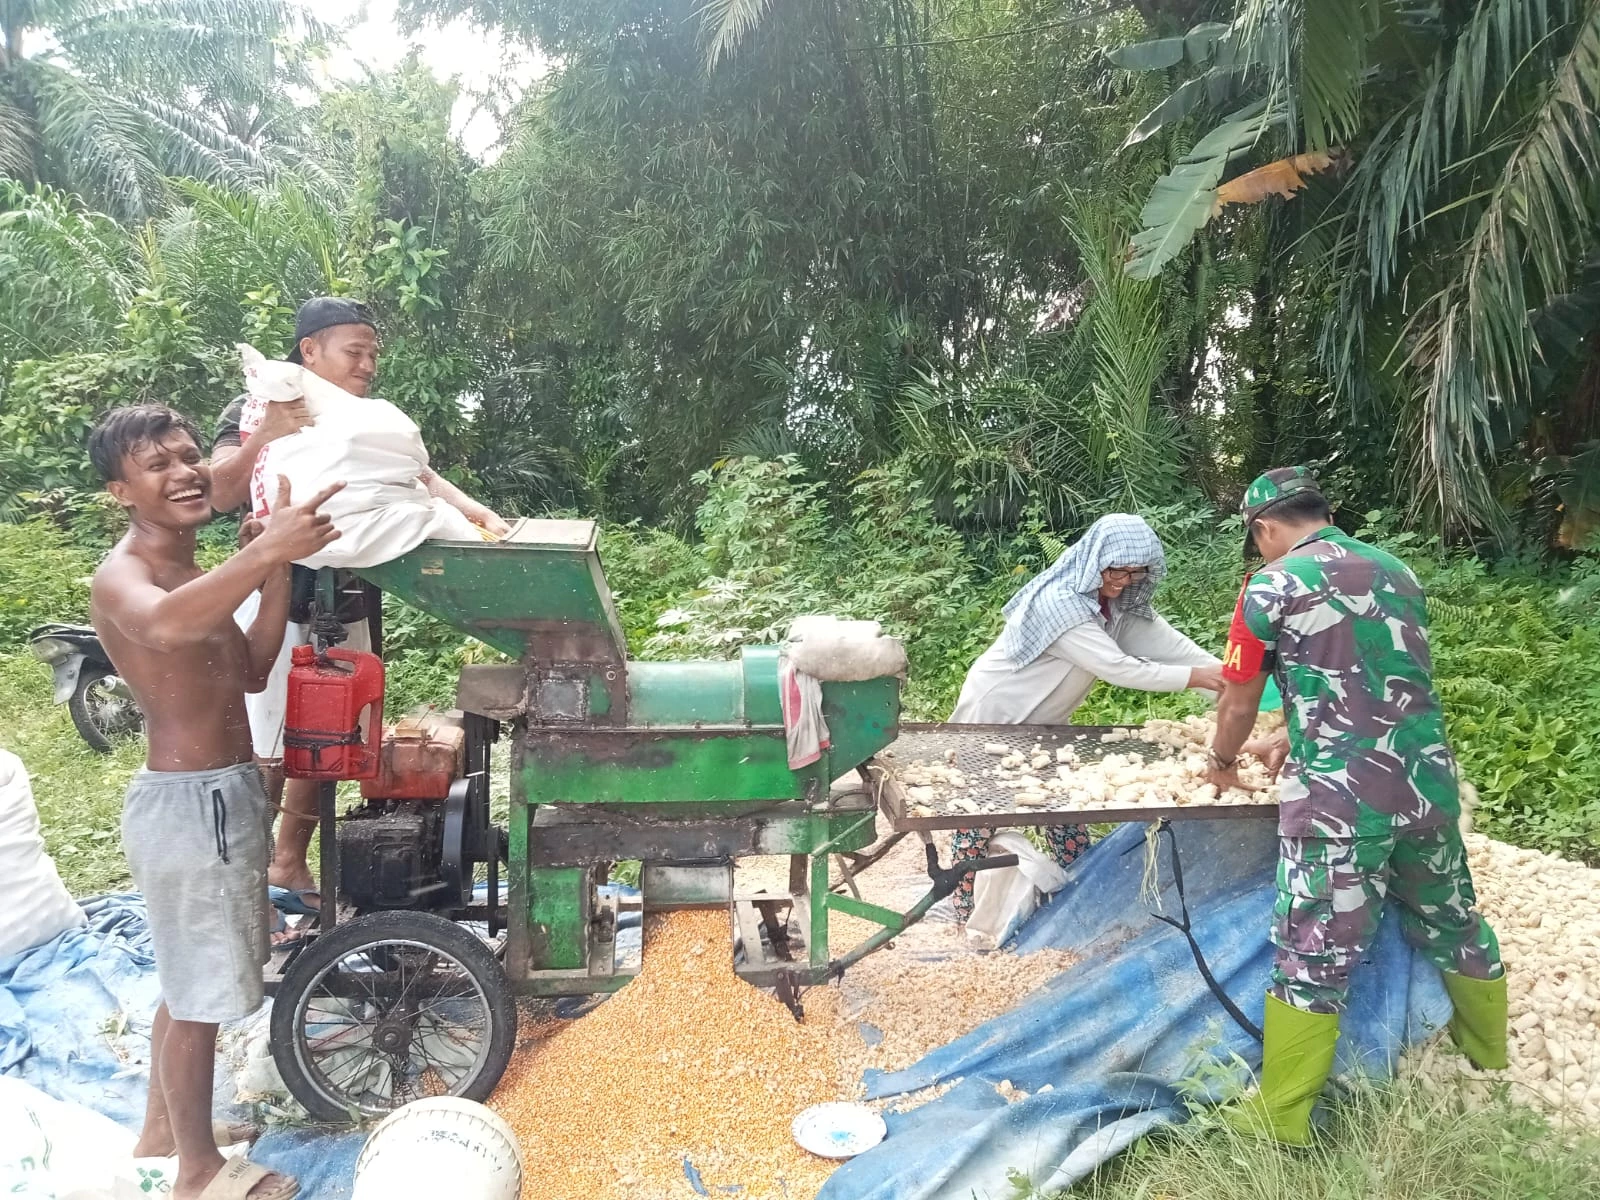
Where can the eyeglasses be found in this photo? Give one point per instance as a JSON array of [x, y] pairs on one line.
[[1125, 574]]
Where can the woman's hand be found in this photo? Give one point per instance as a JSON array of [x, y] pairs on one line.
[[1206, 678]]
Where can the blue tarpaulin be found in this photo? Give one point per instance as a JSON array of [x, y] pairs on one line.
[[1099, 1049], [58, 1003], [66, 1005]]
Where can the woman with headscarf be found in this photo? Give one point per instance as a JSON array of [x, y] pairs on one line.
[[1087, 617]]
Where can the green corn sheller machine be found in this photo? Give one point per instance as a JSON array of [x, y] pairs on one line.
[[681, 765]]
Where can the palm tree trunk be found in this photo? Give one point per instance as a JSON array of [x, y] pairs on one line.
[[1580, 419], [10, 45]]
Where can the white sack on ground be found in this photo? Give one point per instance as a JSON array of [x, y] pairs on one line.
[[35, 905], [384, 510], [1005, 897], [56, 1150]]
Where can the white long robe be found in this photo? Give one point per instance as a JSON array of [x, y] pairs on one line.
[[1129, 651]]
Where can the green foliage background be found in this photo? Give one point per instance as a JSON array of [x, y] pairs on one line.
[[867, 306], [1517, 646]]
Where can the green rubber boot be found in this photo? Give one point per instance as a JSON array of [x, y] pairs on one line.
[[1295, 1061], [1479, 1023]]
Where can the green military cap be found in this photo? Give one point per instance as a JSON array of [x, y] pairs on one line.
[[1270, 489]]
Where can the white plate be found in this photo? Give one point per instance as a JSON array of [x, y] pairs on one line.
[[838, 1129]]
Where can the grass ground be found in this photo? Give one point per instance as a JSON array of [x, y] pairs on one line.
[[1401, 1141], [79, 792]]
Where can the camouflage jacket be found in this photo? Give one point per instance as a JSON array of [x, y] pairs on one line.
[[1344, 626]]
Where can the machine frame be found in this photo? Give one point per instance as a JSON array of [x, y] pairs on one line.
[[682, 766]]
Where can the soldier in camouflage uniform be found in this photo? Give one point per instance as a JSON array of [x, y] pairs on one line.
[[1369, 796]]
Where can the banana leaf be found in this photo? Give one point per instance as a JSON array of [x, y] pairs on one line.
[[1181, 201]]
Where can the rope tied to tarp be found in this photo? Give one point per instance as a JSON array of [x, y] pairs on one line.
[[1182, 924]]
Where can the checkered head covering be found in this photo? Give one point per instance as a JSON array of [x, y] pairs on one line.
[[1066, 594]]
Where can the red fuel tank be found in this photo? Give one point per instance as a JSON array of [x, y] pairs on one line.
[[323, 734], [419, 759]]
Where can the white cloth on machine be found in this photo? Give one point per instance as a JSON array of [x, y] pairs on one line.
[[1005, 897], [1130, 651], [35, 905], [384, 509], [803, 725], [826, 648], [841, 651]]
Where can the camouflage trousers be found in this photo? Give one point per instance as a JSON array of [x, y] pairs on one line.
[[1330, 897]]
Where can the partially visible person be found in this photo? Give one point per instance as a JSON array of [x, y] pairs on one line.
[[195, 821], [336, 338], [35, 905], [1087, 617], [1369, 799]]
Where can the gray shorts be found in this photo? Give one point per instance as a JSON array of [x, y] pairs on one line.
[[198, 844]]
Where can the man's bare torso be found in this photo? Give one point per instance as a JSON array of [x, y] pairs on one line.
[[192, 695]]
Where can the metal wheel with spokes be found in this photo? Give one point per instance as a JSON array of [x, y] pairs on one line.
[[389, 1008], [103, 709]]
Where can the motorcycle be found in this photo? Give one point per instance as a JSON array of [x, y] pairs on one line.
[[103, 709]]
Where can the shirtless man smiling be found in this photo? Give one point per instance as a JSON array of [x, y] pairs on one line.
[[195, 822]]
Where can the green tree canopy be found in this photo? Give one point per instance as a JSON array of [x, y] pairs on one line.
[[108, 98]]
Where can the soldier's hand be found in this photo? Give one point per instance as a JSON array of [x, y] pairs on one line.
[[1224, 777], [1272, 750], [297, 531]]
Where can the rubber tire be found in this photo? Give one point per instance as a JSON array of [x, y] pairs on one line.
[[78, 706], [349, 936]]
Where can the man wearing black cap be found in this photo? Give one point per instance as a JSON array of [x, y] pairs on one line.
[[335, 338], [1369, 798]]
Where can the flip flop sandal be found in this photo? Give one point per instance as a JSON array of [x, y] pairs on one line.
[[293, 900], [239, 1175], [284, 937], [231, 1133]]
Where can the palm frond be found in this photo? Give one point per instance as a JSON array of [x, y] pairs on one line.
[[66, 275], [1333, 54], [726, 23], [1391, 189], [95, 140], [125, 91], [1129, 437], [1473, 342], [16, 143], [191, 147]]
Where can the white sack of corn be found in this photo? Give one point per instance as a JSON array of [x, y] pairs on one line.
[[836, 650], [35, 905], [384, 510]]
